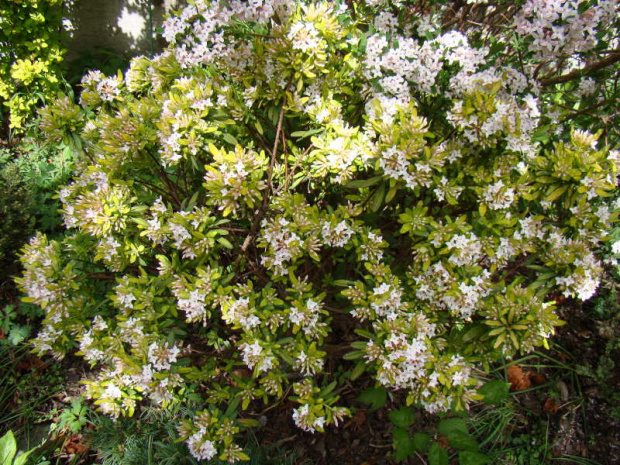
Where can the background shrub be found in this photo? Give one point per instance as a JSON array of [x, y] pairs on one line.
[[31, 53]]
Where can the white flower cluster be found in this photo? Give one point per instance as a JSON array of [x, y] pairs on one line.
[[559, 28], [466, 250], [440, 289], [497, 196], [201, 448], [256, 357], [395, 165], [338, 235], [505, 117], [306, 421], [238, 312], [285, 244], [161, 356], [307, 317], [342, 150], [201, 27]]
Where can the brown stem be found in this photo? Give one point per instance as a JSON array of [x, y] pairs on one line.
[[234, 229], [610, 60], [274, 154], [166, 179], [585, 111], [103, 276]]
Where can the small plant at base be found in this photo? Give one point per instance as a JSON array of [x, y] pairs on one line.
[[8, 451], [74, 417], [11, 330]]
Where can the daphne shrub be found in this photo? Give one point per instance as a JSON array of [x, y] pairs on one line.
[[292, 191]]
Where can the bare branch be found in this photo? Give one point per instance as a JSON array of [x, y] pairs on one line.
[[605, 62]]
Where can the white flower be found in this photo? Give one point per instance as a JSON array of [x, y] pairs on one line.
[[255, 356], [108, 89], [304, 420], [112, 392], [125, 299], [162, 356], [200, 448], [336, 236], [497, 196]]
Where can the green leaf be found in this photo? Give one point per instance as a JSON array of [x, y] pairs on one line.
[[420, 441], [494, 392], [475, 332], [402, 417], [403, 445], [304, 134], [8, 448], [243, 456], [22, 459], [468, 457], [437, 455], [328, 390], [230, 139], [225, 242], [353, 355], [358, 370], [449, 426], [213, 149], [376, 199], [463, 441], [18, 334], [555, 192], [374, 397], [248, 422], [357, 184], [232, 407], [391, 193]]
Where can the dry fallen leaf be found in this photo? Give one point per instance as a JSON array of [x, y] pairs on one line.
[[519, 380], [357, 421], [443, 442], [551, 406], [537, 379], [30, 363], [75, 444]]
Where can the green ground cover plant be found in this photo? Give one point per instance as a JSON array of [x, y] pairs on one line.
[[295, 197], [30, 175]]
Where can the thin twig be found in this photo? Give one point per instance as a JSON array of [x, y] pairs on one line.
[[166, 179], [274, 154], [290, 174], [263, 209], [585, 111]]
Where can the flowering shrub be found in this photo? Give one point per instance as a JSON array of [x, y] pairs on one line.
[[293, 192]]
